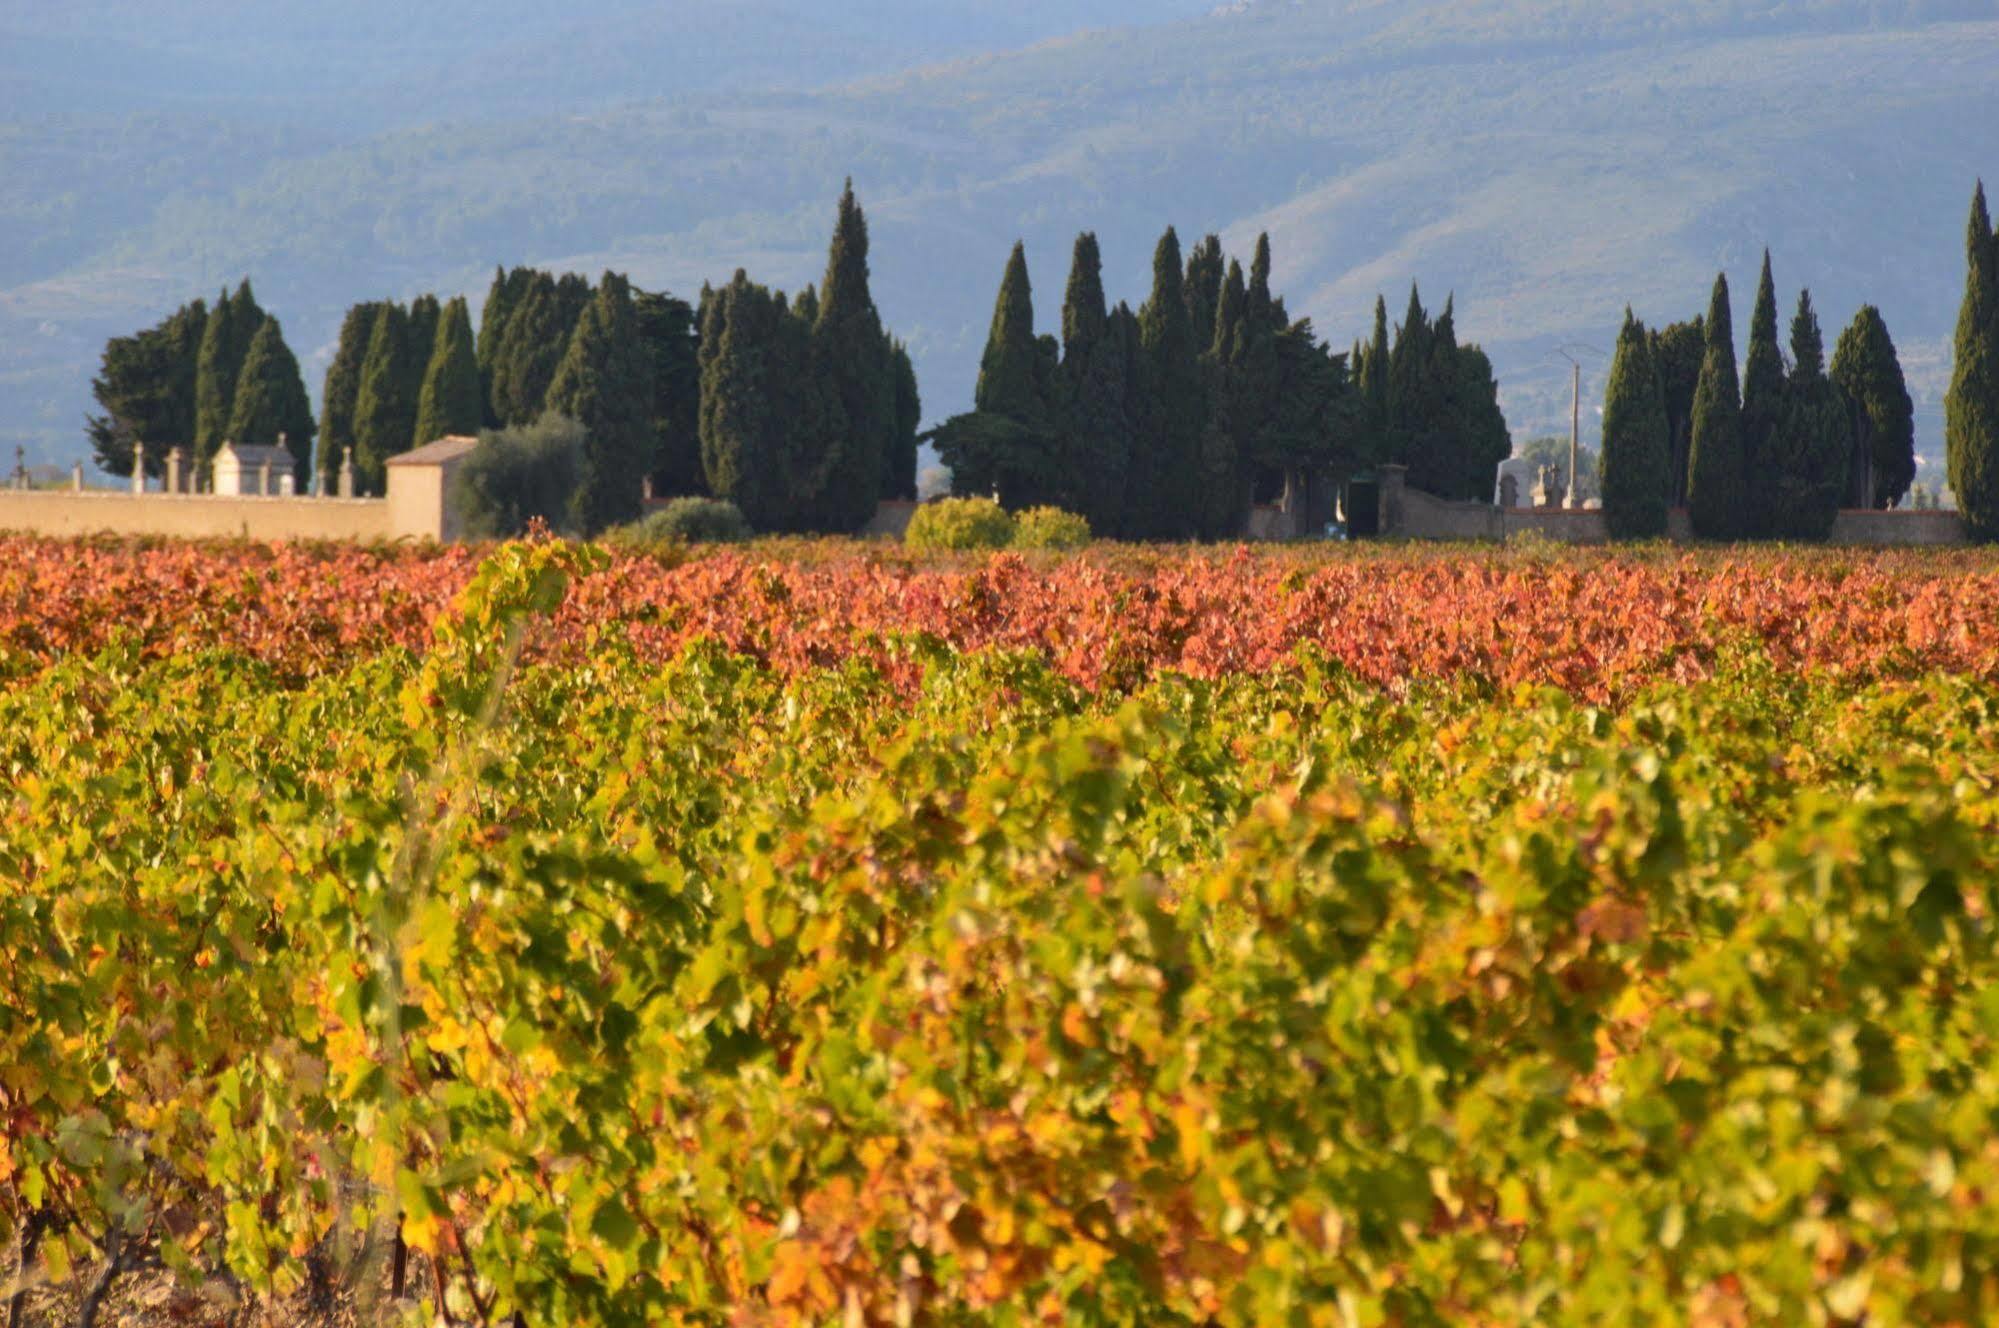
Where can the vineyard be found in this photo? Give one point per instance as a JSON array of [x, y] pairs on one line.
[[814, 934]]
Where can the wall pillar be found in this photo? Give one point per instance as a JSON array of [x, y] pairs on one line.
[[1394, 483], [346, 472]]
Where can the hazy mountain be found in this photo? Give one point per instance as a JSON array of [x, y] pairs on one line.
[[1547, 161]]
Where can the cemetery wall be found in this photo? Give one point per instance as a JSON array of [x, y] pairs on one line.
[[1933, 527], [196, 516]]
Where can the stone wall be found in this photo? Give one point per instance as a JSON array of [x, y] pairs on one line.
[[195, 516], [1906, 527], [1408, 513], [415, 509]]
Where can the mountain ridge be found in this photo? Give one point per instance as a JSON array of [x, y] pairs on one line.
[[1547, 180]]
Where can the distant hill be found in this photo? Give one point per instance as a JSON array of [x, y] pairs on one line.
[[1545, 161]]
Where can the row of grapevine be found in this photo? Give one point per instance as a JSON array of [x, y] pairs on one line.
[[1597, 624], [631, 986]]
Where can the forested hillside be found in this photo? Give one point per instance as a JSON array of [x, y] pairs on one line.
[[1547, 162]]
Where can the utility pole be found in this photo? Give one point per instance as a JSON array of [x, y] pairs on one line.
[[1575, 434], [1572, 500]]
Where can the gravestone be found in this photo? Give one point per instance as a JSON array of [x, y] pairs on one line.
[[1548, 489]]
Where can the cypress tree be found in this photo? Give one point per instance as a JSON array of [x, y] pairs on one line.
[[216, 369], [420, 338], [1205, 266], [270, 400], [342, 388], [1764, 404], [1677, 352], [1230, 315], [1715, 475], [1231, 410], [1482, 438], [1007, 377], [1009, 440], [1407, 363], [225, 345], [503, 297], [449, 404], [1272, 386], [384, 412], [858, 361], [760, 409], [1434, 418], [1807, 457], [146, 387], [1971, 406], [1374, 385], [1168, 418], [1637, 443], [899, 469], [537, 336], [667, 331], [604, 383], [1094, 363], [1868, 374]]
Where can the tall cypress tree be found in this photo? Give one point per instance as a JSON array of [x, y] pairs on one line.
[[1225, 438], [1098, 432], [449, 403], [1010, 441], [899, 468], [503, 297], [1164, 477], [1007, 378], [761, 411], [384, 412], [425, 315], [1408, 363], [605, 384], [1677, 352], [1971, 406], [1482, 437], [146, 388], [1764, 403], [667, 330], [1433, 416], [1374, 384], [216, 369], [1203, 286], [1868, 374], [1715, 479], [858, 362], [1637, 446], [270, 400], [342, 388], [537, 336], [1806, 460]]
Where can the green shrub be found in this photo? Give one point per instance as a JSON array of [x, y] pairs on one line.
[[1050, 528], [516, 475], [960, 523], [686, 521]]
